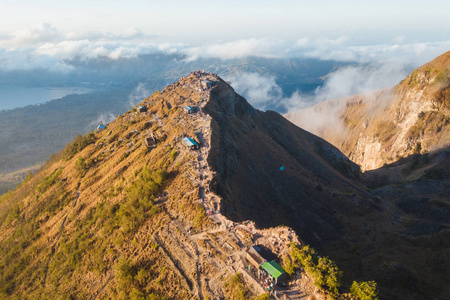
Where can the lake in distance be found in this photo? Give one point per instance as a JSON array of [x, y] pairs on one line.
[[14, 96]]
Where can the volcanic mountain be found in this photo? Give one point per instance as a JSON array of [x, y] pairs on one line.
[[384, 126], [137, 211]]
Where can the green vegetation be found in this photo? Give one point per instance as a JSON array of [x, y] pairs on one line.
[[139, 205], [365, 290], [79, 251], [200, 217], [78, 144], [173, 155], [324, 271], [236, 288], [413, 78], [288, 265], [80, 165], [263, 297], [132, 283], [49, 180]]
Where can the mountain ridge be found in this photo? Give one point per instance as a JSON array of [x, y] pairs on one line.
[[110, 217]]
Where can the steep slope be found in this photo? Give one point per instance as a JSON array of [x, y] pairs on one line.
[[111, 218], [373, 130], [266, 164]]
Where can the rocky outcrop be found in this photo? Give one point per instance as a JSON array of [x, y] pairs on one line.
[[377, 129]]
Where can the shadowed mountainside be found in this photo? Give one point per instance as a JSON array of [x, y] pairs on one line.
[[111, 218]]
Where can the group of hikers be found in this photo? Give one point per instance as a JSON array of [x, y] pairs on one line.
[[269, 281]]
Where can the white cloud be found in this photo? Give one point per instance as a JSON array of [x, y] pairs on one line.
[[103, 118], [44, 46], [303, 42], [65, 49], [261, 91], [237, 49], [39, 33], [348, 81], [139, 93], [360, 80]]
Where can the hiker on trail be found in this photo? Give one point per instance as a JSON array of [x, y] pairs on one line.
[[249, 268]]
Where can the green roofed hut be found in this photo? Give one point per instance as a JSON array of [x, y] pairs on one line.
[[275, 270], [193, 145]]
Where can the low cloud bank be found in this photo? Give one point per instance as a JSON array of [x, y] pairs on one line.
[[44, 46], [263, 92], [350, 81]]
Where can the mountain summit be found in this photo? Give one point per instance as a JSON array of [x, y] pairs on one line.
[[168, 200]]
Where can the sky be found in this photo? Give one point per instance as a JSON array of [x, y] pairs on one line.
[[198, 21], [46, 33]]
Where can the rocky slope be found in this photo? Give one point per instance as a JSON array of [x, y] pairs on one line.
[[109, 217], [377, 129]]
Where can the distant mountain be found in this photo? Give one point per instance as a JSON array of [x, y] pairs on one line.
[[131, 212], [385, 126]]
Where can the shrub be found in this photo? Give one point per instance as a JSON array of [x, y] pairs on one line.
[[123, 271], [288, 265], [324, 271], [140, 198], [264, 296], [49, 180], [365, 290], [78, 144], [136, 294], [173, 154], [80, 165], [235, 287]]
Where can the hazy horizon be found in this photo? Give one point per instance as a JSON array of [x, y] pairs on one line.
[[89, 40], [47, 33]]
